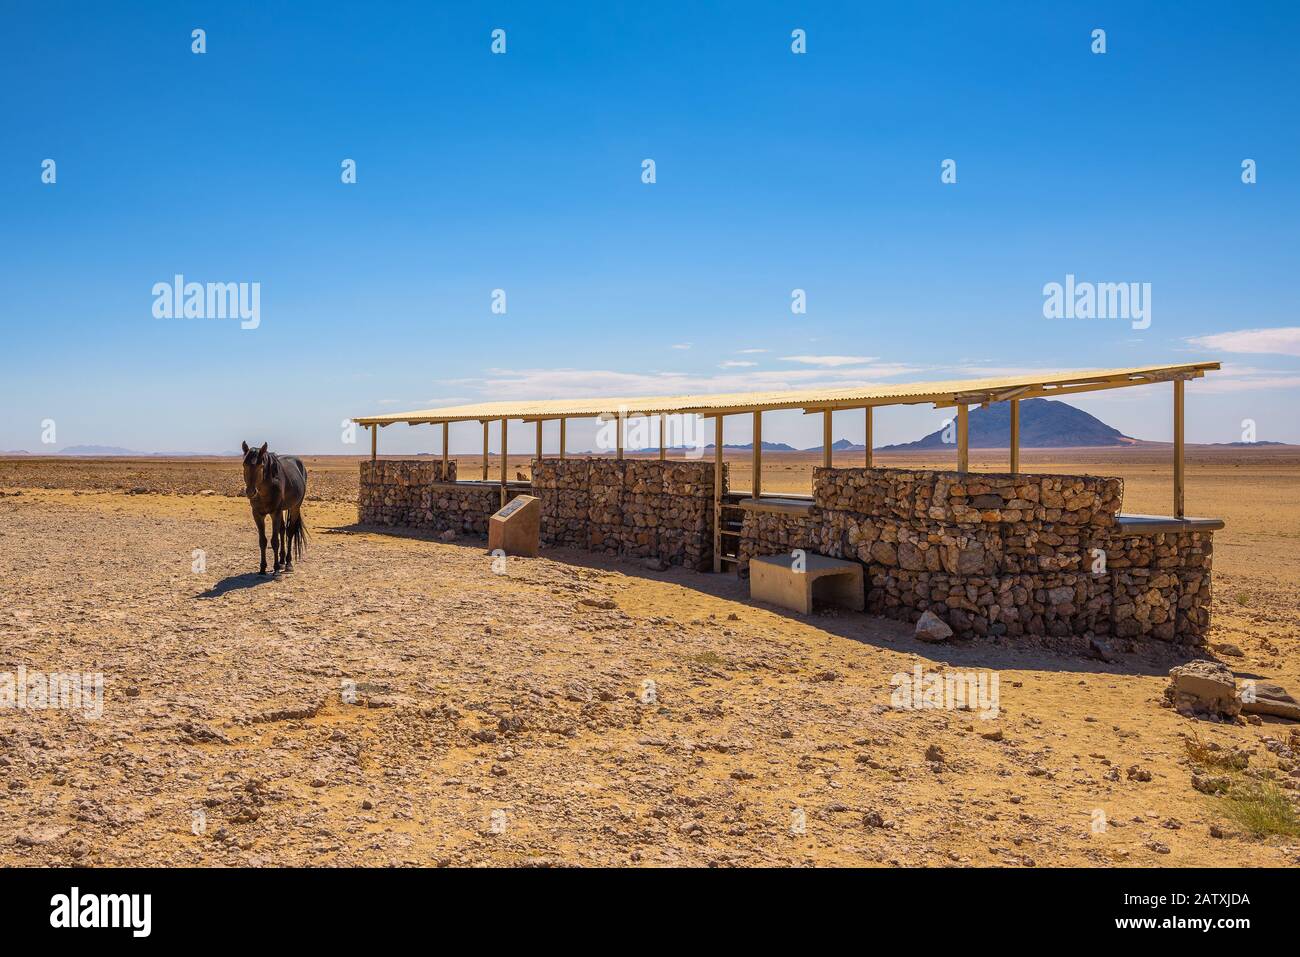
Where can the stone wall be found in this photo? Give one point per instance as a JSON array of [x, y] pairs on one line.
[[1160, 584], [771, 533], [417, 494], [635, 508], [1012, 555], [991, 554]]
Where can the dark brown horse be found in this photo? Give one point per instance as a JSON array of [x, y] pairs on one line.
[[275, 486]]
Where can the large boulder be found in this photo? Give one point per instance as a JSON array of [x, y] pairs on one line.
[[930, 627], [1265, 697], [1203, 688]]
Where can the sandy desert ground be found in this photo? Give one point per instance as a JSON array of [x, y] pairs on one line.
[[394, 700]]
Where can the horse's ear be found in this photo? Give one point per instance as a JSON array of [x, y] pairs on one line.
[[245, 445], [262, 451]]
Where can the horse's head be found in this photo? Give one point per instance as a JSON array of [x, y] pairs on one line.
[[257, 469]]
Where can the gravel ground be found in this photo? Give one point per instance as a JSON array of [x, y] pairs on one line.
[[397, 700]]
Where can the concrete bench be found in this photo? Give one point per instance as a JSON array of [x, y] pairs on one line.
[[775, 579]]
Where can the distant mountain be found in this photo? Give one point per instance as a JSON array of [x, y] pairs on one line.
[[1242, 445], [840, 445], [97, 450], [1044, 423], [16, 452], [749, 446]]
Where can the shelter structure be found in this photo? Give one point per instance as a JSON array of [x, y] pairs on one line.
[[683, 512]]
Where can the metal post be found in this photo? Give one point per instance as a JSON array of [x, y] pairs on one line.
[[870, 441], [663, 452], [374, 442], [504, 459], [562, 421], [717, 494], [1178, 449], [620, 436], [963, 449], [1015, 436], [758, 454], [826, 438]]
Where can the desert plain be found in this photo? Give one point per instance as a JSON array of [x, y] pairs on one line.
[[398, 700]]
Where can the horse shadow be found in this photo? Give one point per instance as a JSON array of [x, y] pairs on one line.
[[235, 583]]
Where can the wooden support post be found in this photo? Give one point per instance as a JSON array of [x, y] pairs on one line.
[[562, 437], [504, 460], [1178, 448], [446, 433], [485, 450], [963, 438], [663, 452], [539, 438], [758, 454], [717, 494], [374, 442], [870, 439], [620, 436], [1015, 436], [826, 438]]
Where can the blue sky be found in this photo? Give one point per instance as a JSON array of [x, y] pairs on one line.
[[522, 172]]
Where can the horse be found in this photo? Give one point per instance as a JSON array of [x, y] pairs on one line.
[[276, 485]]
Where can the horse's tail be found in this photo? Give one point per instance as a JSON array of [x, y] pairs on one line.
[[297, 536]]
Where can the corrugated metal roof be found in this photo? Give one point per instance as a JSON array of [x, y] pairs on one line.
[[947, 392]]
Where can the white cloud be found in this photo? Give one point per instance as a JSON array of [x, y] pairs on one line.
[[750, 352], [1282, 341], [681, 345], [735, 364], [589, 383], [1000, 372], [830, 361]]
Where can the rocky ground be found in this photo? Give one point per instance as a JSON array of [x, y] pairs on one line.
[[398, 700]]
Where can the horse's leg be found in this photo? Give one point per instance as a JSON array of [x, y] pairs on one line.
[[261, 539], [277, 535], [290, 529]]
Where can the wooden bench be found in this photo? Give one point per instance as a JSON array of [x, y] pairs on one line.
[[779, 580]]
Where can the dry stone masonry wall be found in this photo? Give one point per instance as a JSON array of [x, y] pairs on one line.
[[416, 494], [771, 533], [1012, 555], [637, 509], [991, 554], [634, 508]]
